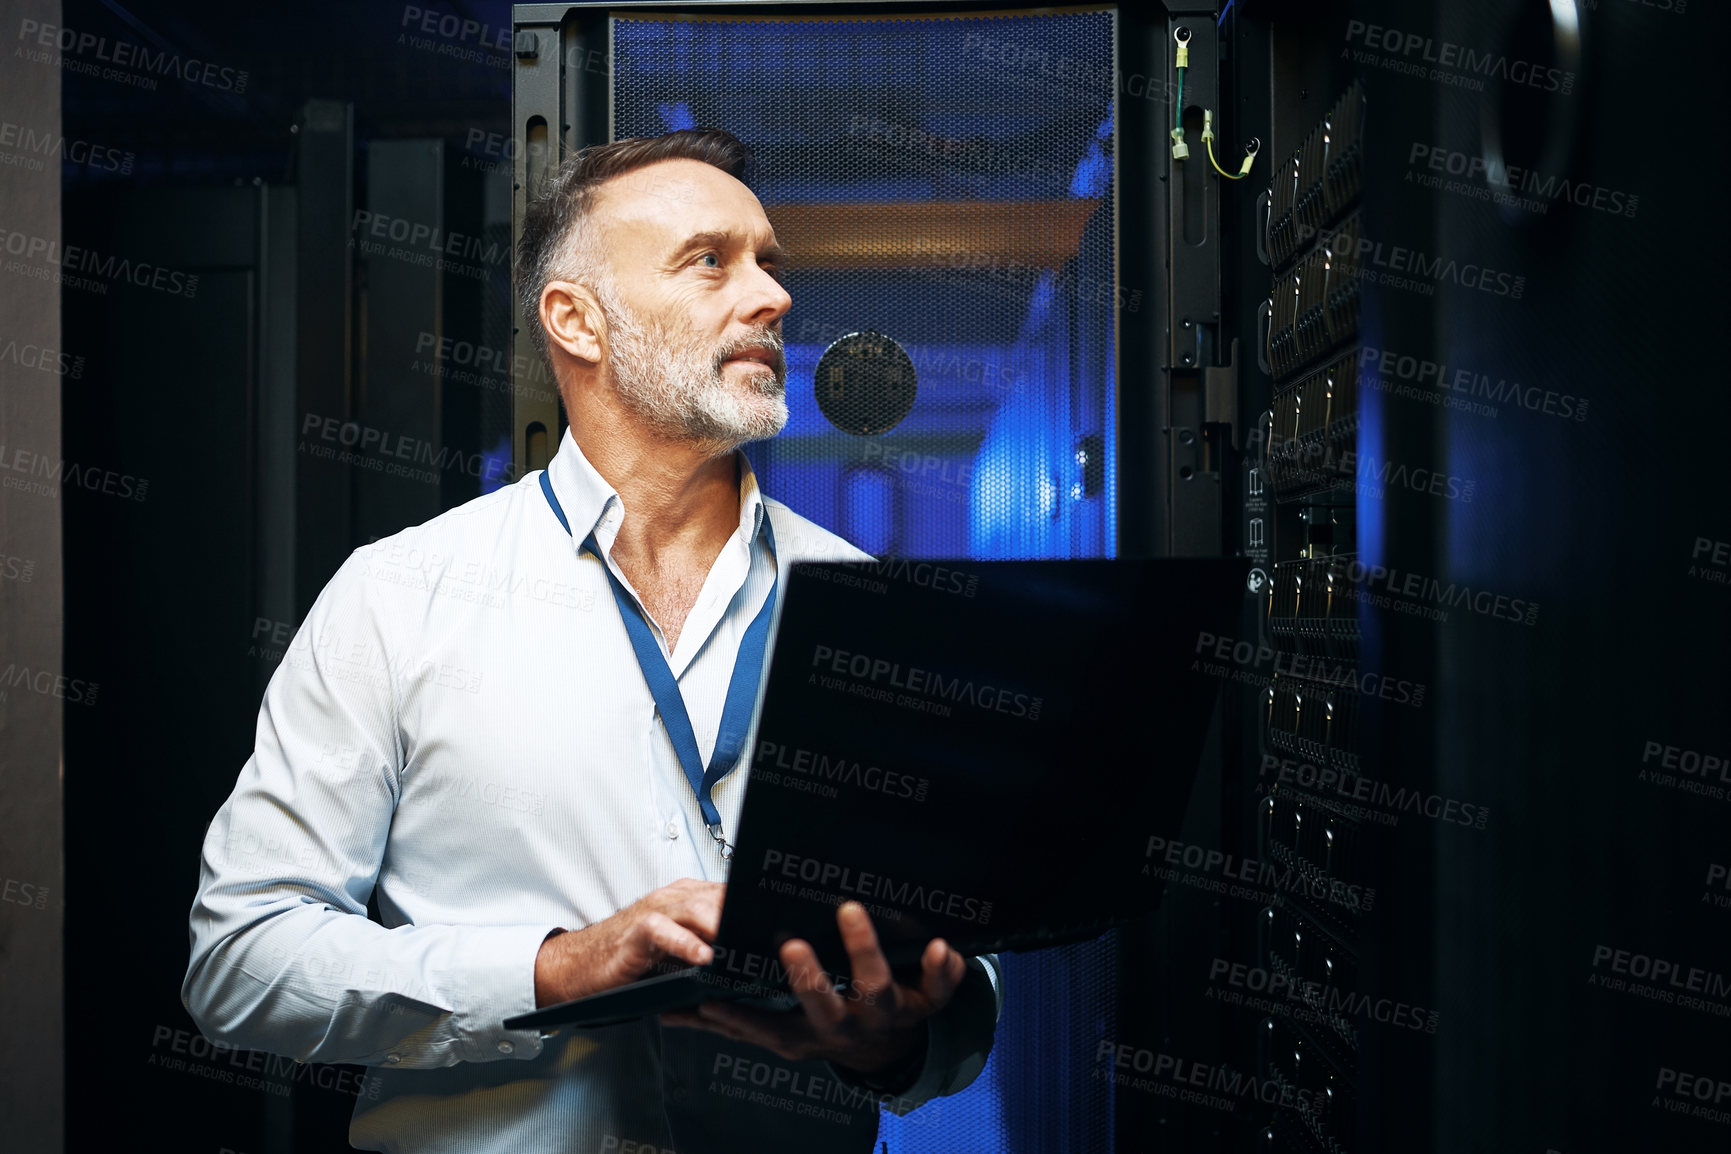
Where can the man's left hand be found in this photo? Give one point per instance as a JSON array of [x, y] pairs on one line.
[[873, 1023]]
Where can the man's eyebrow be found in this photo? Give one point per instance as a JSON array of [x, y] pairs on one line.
[[719, 239]]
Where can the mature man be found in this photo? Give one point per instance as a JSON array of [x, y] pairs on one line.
[[462, 731]]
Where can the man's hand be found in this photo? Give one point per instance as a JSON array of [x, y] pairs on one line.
[[870, 1025], [675, 921]]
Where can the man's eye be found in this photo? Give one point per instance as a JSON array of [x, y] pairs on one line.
[[710, 257]]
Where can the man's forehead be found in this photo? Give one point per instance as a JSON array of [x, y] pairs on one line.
[[671, 200]]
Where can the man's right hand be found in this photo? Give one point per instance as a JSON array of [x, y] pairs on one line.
[[675, 921]]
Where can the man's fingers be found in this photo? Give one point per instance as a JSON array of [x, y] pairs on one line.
[[814, 988], [871, 970], [667, 938], [941, 971], [696, 905]]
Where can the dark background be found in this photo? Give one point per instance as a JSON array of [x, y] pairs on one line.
[[178, 605]]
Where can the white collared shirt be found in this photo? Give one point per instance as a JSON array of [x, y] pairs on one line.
[[460, 728]]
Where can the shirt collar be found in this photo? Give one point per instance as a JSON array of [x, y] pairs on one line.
[[592, 505]]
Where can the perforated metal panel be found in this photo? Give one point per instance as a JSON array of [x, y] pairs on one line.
[[946, 182]]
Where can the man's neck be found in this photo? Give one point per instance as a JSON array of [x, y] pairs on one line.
[[681, 503]]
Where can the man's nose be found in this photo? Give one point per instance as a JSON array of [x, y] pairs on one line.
[[766, 300]]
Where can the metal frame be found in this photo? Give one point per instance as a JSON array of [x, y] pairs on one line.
[[561, 102]]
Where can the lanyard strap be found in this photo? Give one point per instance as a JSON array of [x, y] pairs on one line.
[[664, 687]]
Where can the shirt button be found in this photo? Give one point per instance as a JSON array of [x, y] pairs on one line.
[[393, 1059], [505, 1047], [672, 831]]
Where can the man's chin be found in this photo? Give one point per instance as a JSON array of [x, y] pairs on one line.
[[718, 435]]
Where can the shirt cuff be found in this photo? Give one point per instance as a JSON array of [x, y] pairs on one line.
[[500, 983]]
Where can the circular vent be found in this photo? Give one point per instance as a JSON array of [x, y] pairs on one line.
[[865, 384]]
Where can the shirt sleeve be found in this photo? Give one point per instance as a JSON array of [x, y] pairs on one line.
[[284, 956], [958, 1041]]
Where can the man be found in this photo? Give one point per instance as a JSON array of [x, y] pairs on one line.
[[462, 731]]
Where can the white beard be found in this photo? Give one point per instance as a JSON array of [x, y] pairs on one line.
[[677, 387]]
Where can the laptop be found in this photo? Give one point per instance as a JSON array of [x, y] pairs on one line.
[[977, 751]]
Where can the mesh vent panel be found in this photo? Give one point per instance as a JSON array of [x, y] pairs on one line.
[[946, 182]]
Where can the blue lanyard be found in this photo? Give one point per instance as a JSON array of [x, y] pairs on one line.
[[664, 687]]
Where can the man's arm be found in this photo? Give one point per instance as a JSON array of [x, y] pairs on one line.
[[284, 957]]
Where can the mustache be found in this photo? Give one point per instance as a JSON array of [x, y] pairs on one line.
[[766, 338]]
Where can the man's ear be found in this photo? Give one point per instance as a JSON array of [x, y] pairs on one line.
[[573, 320]]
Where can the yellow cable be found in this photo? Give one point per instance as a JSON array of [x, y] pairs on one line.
[[1208, 140], [1216, 163]]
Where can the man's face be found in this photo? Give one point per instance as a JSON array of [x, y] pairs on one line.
[[694, 329]]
